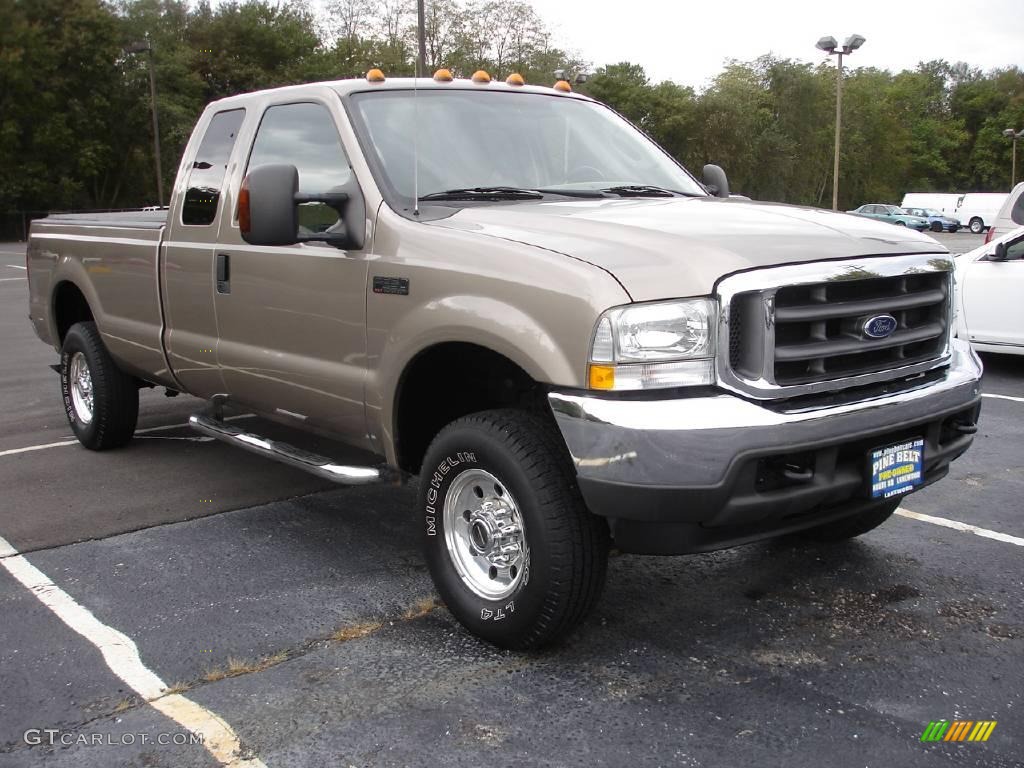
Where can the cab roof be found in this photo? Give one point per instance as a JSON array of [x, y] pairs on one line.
[[362, 85]]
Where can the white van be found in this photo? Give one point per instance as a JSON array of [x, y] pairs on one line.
[[1010, 216], [944, 202], [978, 210]]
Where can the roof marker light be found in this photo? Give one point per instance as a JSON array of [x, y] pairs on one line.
[[481, 77], [375, 76], [443, 76], [563, 86], [515, 79]]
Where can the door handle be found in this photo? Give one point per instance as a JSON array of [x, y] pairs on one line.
[[223, 273]]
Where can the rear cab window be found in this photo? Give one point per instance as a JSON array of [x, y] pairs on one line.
[[206, 177]]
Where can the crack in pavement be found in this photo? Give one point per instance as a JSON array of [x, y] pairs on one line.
[[233, 668]]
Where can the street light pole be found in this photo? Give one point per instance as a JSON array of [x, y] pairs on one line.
[[421, 41], [839, 121], [1010, 133], [831, 47], [139, 47]]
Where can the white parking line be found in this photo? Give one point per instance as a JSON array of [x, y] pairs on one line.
[[14, 266], [122, 656], [5, 279], [44, 446], [956, 525], [1006, 397]]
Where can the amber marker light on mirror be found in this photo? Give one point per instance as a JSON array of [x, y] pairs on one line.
[[515, 79], [244, 220], [375, 76], [481, 77], [443, 76]]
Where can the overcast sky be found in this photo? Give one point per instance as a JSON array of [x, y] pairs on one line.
[[689, 40]]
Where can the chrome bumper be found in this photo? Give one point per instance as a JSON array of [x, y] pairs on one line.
[[696, 443]]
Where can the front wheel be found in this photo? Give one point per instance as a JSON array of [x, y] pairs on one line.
[[513, 551], [900, 223], [977, 226], [100, 400], [855, 525]]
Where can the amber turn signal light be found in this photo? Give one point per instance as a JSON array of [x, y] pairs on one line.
[[601, 377]]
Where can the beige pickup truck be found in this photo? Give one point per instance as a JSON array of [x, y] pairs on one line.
[[514, 294]]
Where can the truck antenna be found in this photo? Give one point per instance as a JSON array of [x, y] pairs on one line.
[[415, 145]]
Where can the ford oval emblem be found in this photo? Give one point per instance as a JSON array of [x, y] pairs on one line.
[[879, 326]]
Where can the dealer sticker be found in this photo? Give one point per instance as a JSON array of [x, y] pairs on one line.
[[896, 469]]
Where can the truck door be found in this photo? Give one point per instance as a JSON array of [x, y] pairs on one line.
[[994, 298], [190, 335], [291, 319]]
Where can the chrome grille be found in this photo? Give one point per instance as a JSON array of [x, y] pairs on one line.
[[819, 327], [801, 329]]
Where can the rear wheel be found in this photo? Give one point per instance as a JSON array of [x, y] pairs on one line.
[[936, 226], [513, 551], [100, 400], [977, 226], [855, 525], [900, 223]]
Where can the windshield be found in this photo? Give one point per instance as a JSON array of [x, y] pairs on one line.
[[931, 212], [474, 139]]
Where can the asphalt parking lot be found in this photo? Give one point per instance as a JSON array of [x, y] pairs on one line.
[[299, 619]]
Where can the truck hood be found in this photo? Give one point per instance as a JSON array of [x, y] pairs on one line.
[[664, 248]]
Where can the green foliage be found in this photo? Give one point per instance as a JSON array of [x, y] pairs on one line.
[[770, 123], [76, 132]]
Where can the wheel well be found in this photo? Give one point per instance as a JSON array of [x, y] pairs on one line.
[[451, 380], [69, 307]]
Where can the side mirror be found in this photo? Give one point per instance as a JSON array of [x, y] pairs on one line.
[[999, 254], [268, 210], [716, 181]]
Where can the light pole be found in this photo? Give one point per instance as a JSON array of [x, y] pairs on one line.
[[421, 41], [1010, 133], [831, 47], [139, 47]]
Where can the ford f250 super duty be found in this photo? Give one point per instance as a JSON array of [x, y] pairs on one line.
[[514, 294]]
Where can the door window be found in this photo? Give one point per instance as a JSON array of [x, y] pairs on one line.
[[207, 174], [304, 135], [1015, 250]]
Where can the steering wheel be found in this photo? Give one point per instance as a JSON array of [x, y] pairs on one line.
[[589, 172]]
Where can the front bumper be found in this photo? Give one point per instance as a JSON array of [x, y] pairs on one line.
[[710, 471]]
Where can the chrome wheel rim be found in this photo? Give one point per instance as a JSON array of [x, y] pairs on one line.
[[81, 387], [483, 529]]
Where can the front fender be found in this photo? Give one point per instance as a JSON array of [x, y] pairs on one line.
[[484, 321]]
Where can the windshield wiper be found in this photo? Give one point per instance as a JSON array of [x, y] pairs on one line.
[[642, 190], [485, 193]]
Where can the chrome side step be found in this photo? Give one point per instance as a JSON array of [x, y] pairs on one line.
[[212, 425]]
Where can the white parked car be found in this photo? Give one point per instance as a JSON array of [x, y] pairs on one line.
[[990, 295], [1010, 216]]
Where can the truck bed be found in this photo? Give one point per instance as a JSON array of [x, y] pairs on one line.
[[134, 219], [112, 260]]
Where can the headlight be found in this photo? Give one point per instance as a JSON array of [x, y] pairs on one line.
[[649, 346]]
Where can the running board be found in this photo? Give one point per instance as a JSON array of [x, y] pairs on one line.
[[317, 465]]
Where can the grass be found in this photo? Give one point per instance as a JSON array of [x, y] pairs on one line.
[[236, 667], [124, 705]]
